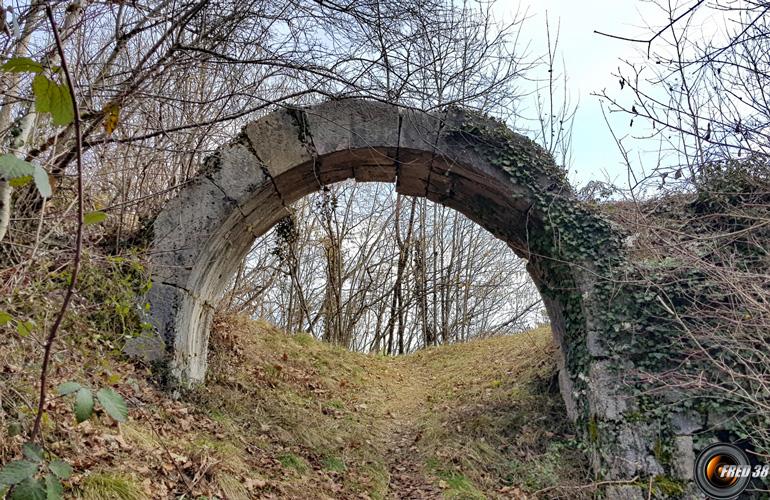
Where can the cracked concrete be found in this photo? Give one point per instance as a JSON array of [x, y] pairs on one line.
[[203, 234], [250, 183]]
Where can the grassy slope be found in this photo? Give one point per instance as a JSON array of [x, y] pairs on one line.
[[285, 416]]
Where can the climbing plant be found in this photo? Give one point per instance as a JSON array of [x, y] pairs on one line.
[[39, 474], [651, 299]]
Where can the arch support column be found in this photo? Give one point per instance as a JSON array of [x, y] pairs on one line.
[[499, 179]]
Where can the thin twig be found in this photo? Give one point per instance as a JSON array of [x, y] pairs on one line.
[[587, 486], [79, 236], [649, 41], [148, 420]]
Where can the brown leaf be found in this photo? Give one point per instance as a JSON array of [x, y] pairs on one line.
[[111, 117], [252, 484]]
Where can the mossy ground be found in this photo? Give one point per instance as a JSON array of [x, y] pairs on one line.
[[286, 416]]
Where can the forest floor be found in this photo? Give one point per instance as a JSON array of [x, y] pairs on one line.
[[286, 416]]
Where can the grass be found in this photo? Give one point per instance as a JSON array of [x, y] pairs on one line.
[[232, 487], [292, 461], [283, 414], [109, 486], [537, 473], [333, 464], [484, 410], [459, 486], [502, 421], [454, 484]]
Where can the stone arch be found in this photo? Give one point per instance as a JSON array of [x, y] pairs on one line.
[[500, 179]]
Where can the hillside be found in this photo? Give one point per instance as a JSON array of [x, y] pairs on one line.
[[286, 416]]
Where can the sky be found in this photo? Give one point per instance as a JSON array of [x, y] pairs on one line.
[[590, 61]]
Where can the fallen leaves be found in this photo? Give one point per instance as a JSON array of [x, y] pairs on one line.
[[270, 396]]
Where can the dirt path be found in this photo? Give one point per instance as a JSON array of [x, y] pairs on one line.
[[288, 417], [400, 407]]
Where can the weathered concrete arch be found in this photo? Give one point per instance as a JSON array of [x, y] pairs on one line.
[[244, 189], [501, 180]]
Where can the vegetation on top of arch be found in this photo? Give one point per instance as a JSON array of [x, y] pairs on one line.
[[576, 230]]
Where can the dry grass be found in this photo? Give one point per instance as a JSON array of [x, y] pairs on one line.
[[284, 414], [494, 419]]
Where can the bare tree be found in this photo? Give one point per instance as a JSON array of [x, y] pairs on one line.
[[702, 95], [355, 259], [705, 99]]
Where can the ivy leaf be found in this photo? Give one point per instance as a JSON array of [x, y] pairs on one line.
[[94, 217], [113, 404], [60, 468], [53, 488], [33, 452], [12, 168], [22, 65], [54, 98], [67, 388], [17, 471], [84, 404], [29, 489]]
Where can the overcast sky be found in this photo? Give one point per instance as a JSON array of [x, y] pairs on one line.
[[590, 61]]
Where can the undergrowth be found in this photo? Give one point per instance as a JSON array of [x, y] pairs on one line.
[[281, 414]]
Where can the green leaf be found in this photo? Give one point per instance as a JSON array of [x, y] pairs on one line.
[[22, 65], [51, 97], [53, 488], [84, 404], [20, 181], [14, 429], [113, 404], [12, 167], [68, 388], [60, 468], [41, 182], [29, 489], [19, 172], [5, 318], [33, 452], [94, 217], [17, 471], [24, 328]]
